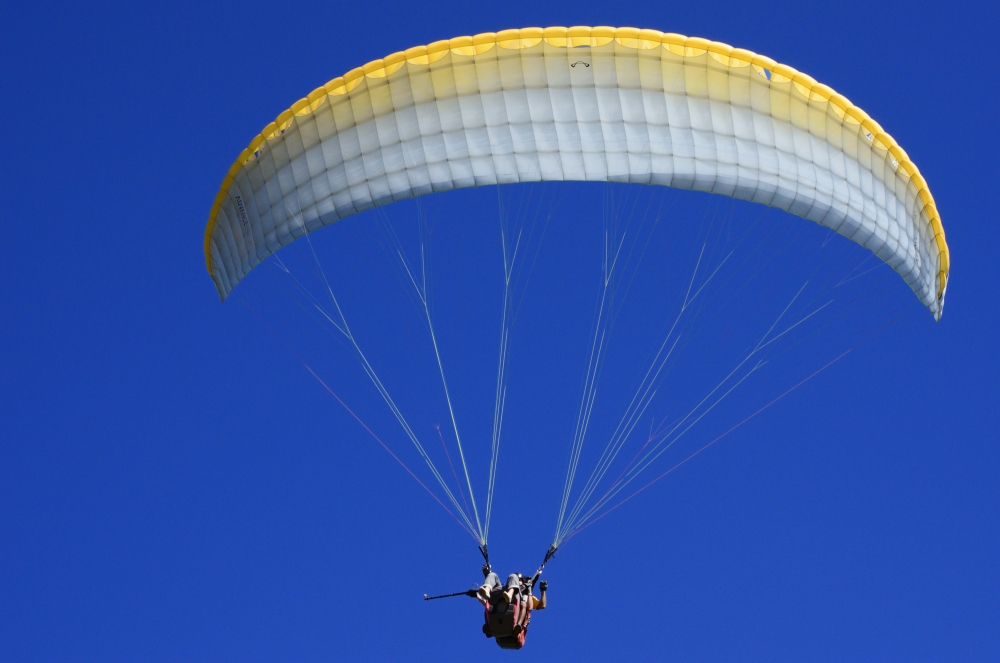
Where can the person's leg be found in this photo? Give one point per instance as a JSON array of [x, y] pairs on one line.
[[512, 587], [491, 583]]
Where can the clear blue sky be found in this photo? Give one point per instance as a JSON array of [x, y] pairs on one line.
[[175, 486]]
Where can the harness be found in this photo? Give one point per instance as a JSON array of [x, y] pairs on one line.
[[507, 622]]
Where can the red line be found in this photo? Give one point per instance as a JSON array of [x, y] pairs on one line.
[[707, 446], [358, 419], [377, 439], [452, 466], [634, 458]]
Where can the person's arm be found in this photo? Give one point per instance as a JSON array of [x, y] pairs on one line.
[[539, 604]]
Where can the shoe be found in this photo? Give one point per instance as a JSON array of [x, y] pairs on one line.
[[484, 593], [509, 595]]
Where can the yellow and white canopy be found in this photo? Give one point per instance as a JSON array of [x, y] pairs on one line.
[[595, 104]]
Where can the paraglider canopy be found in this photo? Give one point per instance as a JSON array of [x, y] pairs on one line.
[[581, 103]]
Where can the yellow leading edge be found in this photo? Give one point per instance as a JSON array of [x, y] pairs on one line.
[[594, 37]]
